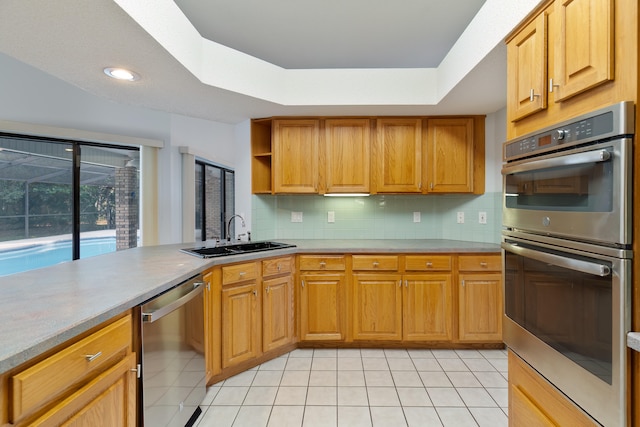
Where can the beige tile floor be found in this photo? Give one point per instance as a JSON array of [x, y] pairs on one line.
[[364, 387]]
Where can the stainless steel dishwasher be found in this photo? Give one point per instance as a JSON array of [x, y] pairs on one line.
[[173, 365]]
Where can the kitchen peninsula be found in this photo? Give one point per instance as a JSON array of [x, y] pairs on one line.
[[53, 306]]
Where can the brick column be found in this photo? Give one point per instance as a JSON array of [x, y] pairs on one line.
[[126, 208]]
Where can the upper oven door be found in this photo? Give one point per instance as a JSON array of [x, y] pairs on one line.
[[582, 194]]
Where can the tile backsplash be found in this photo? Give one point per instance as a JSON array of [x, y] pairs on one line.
[[378, 217]]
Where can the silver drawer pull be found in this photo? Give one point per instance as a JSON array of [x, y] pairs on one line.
[[376, 264], [483, 264], [279, 267], [242, 273], [429, 264], [322, 264], [92, 357]]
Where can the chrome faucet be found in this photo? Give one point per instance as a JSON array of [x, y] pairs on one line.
[[229, 226]]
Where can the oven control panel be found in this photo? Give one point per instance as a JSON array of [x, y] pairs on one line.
[[612, 121], [570, 134]]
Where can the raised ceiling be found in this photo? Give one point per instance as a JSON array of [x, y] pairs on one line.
[[232, 60], [335, 33]]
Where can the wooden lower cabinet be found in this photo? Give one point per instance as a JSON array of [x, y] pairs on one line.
[[241, 323], [108, 400], [277, 312], [480, 307], [322, 306], [427, 307], [534, 402], [90, 380], [377, 309]]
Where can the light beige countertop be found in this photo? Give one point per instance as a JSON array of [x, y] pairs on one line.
[[42, 308]]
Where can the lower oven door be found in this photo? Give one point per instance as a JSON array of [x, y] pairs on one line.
[[566, 314]]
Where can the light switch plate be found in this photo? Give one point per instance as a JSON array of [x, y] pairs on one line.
[[460, 217], [331, 216], [416, 217], [296, 216]]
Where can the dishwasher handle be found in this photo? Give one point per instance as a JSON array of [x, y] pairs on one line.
[[158, 314]]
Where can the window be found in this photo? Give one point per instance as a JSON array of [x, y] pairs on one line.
[[214, 201], [61, 201]]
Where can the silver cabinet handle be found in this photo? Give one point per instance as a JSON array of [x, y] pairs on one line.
[[279, 267], [323, 264], [242, 273], [255, 293], [551, 85], [484, 264], [268, 289], [406, 283], [92, 357], [399, 283], [375, 264], [429, 264], [302, 281], [532, 95]]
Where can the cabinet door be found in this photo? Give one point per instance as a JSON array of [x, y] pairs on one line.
[[277, 312], [398, 156], [584, 49], [108, 400], [322, 311], [295, 156], [527, 70], [427, 308], [377, 312], [480, 307], [240, 324], [449, 155], [347, 155]]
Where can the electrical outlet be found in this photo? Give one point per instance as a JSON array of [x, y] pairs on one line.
[[416, 217], [296, 216], [331, 216], [460, 217], [482, 217]]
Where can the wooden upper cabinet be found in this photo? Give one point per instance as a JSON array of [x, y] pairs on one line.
[[449, 156], [347, 155], [295, 156], [584, 46], [527, 70], [397, 156]]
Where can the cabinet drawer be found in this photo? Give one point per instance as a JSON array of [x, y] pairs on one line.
[[271, 267], [480, 263], [239, 272], [375, 262], [322, 262], [49, 379], [427, 263]]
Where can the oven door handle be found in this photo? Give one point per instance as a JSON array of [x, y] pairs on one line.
[[571, 159], [570, 263]]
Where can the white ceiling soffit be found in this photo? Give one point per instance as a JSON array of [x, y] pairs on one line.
[[219, 66], [186, 74]]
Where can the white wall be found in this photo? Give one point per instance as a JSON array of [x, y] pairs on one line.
[[30, 96], [495, 135]]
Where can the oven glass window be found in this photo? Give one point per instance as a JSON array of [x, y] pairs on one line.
[[574, 188], [568, 310]]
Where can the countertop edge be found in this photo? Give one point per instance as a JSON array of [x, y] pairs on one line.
[[633, 341]]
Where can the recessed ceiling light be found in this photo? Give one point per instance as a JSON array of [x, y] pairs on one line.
[[121, 74]]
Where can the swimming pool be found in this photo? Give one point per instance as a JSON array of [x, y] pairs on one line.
[[43, 255]]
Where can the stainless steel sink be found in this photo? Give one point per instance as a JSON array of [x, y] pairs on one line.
[[235, 249]]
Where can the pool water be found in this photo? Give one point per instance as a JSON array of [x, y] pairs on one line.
[[37, 256]]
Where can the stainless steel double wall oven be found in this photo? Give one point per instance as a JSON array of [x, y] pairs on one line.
[[566, 243]]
